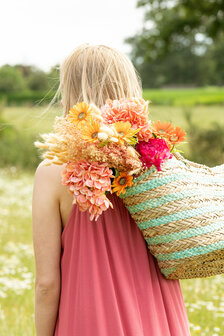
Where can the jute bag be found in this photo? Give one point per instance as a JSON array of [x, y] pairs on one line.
[[180, 212]]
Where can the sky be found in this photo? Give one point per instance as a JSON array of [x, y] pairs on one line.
[[43, 32]]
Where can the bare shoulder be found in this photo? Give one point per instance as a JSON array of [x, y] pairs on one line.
[[49, 178], [51, 171]]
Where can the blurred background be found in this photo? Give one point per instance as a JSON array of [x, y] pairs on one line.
[[177, 46]]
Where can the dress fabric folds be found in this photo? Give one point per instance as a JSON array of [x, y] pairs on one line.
[[111, 284]]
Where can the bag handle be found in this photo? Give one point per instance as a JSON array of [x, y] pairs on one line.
[[189, 163]]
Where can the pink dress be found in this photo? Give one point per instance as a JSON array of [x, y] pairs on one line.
[[111, 284]]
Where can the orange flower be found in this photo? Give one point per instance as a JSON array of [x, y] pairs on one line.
[[121, 182], [79, 113], [177, 136], [164, 128]]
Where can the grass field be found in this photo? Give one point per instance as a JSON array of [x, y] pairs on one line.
[[34, 120], [210, 95], [186, 97], [204, 298]]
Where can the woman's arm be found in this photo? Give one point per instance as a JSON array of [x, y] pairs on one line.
[[46, 223]]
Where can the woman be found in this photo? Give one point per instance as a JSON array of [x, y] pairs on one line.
[[97, 278]]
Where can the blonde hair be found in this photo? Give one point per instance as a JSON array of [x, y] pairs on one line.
[[94, 73]]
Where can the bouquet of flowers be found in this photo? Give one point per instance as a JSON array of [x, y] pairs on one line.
[[104, 148]]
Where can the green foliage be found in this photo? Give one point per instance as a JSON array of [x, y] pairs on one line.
[[38, 81], [21, 84], [27, 97], [174, 19], [181, 43], [11, 80], [16, 147], [206, 146]]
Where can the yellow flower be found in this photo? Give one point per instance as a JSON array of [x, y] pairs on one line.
[[121, 182], [90, 131], [125, 132], [79, 113]]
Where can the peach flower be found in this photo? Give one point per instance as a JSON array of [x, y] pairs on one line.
[[134, 110], [88, 183]]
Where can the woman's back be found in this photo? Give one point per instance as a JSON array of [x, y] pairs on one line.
[[96, 278], [110, 282]]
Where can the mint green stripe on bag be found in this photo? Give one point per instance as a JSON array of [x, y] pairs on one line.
[[167, 271], [179, 215], [153, 203], [163, 180], [194, 232], [195, 251]]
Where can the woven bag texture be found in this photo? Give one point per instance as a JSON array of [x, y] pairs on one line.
[[180, 212]]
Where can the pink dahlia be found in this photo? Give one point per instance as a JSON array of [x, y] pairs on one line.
[[153, 152], [88, 181], [134, 110]]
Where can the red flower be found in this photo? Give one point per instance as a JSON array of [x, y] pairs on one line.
[[153, 152]]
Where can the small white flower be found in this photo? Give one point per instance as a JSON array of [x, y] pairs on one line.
[[113, 139], [102, 136], [106, 129]]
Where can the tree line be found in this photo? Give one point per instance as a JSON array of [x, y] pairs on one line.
[[181, 43], [21, 83]]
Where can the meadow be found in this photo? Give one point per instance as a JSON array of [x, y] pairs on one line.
[[204, 298], [211, 95]]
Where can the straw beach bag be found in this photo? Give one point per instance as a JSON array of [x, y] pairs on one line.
[[180, 212]]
